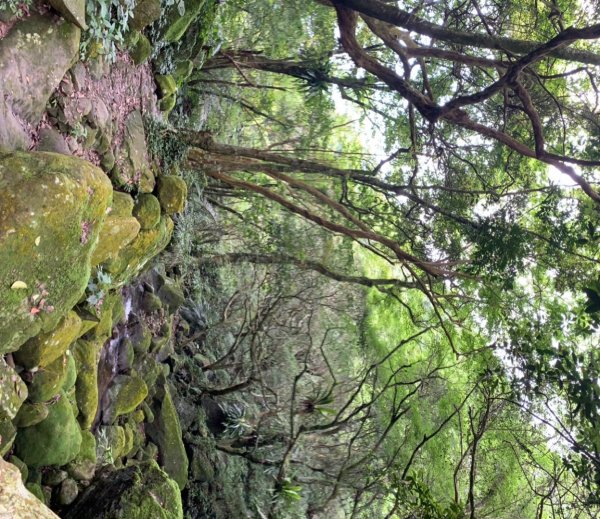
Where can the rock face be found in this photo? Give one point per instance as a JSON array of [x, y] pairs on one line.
[[72, 10], [125, 394], [145, 13], [54, 441], [34, 57], [16, 500], [137, 492], [172, 193], [51, 210], [44, 349], [165, 431]]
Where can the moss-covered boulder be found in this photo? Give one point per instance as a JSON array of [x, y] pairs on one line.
[[13, 391], [147, 211], [140, 491], [8, 433], [145, 13], [172, 193], [166, 84], [51, 210], [30, 414], [132, 258], [166, 104], [178, 23], [151, 302], [183, 70], [165, 431], [54, 441], [71, 373], [16, 501], [86, 354], [141, 50], [68, 492], [116, 233], [171, 295], [49, 381], [124, 395], [122, 204], [44, 349], [141, 337]]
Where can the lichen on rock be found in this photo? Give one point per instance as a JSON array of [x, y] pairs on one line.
[[51, 210]]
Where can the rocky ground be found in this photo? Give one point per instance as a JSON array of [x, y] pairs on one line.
[[86, 411]]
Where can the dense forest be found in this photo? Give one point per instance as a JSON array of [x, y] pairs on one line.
[[381, 297]]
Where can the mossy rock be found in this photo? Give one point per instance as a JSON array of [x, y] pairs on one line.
[[172, 193], [116, 233], [145, 12], [151, 303], [201, 468], [71, 373], [147, 211], [141, 51], [149, 370], [178, 24], [122, 204], [139, 491], [132, 258], [31, 414], [53, 476], [118, 310], [165, 431], [18, 462], [88, 322], [141, 337], [124, 395], [18, 500], [166, 104], [83, 467], [86, 354], [132, 166], [51, 210], [44, 349], [49, 381], [13, 391], [54, 441], [171, 295], [166, 84], [183, 70], [125, 355], [8, 433], [104, 328], [113, 441]]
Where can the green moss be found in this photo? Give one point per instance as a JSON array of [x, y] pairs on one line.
[[86, 354], [178, 24], [165, 431], [132, 258], [124, 395], [166, 104], [17, 462], [54, 441], [116, 233], [47, 347], [36, 490], [71, 373], [141, 51], [49, 381], [51, 209], [13, 391], [147, 211], [30, 414], [166, 84], [172, 193], [82, 468], [122, 204]]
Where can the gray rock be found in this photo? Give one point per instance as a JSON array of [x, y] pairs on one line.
[[52, 140], [68, 492], [13, 135], [71, 10], [34, 57], [99, 115]]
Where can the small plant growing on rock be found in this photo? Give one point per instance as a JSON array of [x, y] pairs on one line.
[[97, 288], [236, 424]]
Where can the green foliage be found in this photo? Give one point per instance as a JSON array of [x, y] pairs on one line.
[[18, 7], [108, 22]]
